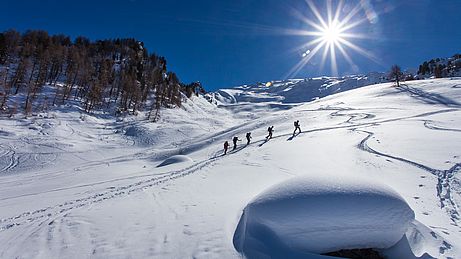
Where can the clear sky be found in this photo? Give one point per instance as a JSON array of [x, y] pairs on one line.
[[225, 43]]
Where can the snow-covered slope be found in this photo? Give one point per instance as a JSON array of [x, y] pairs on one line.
[[92, 188]]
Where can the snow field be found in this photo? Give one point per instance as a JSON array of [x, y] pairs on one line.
[[102, 195]]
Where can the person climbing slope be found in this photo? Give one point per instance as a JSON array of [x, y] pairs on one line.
[[248, 136], [235, 139], [297, 127], [270, 130], [226, 146]]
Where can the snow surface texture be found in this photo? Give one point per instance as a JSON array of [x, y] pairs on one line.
[[320, 215], [74, 185]]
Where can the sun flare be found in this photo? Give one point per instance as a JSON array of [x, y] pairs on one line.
[[331, 33]]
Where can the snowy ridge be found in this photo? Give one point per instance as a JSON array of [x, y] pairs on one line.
[[295, 90]]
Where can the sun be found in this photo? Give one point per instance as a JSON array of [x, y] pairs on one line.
[[331, 33]]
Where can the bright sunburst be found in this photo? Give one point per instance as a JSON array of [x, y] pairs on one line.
[[332, 32]]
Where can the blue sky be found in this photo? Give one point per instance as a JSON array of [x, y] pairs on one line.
[[228, 43]]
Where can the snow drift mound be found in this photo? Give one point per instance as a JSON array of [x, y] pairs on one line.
[[321, 215], [175, 159]]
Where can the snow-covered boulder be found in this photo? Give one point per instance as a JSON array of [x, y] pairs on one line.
[[175, 160], [320, 215]]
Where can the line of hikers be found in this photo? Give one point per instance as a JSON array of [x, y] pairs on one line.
[[270, 130]]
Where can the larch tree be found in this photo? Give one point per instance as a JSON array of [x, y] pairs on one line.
[[396, 74]]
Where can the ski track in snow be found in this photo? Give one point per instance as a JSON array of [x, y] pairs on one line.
[[444, 182], [352, 116], [430, 125], [356, 117], [446, 177], [28, 217], [8, 158]]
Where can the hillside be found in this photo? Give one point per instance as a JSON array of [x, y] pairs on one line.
[[88, 186], [39, 72], [441, 67]]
